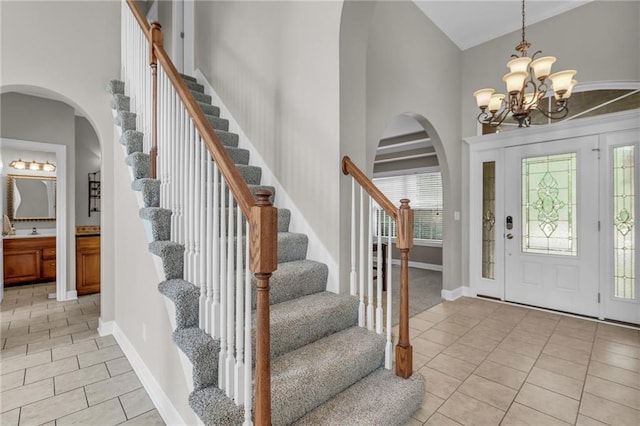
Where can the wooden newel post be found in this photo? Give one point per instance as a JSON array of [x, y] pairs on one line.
[[263, 253], [404, 242], [157, 39]]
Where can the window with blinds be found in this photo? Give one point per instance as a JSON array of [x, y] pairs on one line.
[[425, 192]]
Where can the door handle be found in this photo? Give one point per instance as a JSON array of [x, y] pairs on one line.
[[510, 236]]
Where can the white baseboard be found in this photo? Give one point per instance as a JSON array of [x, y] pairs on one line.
[[105, 327], [166, 409], [316, 250], [419, 265], [71, 295], [457, 292]]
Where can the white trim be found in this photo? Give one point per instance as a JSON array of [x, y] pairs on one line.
[[451, 294], [419, 265], [162, 402], [316, 250], [406, 157], [105, 327], [62, 273], [188, 43], [71, 295], [403, 172], [177, 42]]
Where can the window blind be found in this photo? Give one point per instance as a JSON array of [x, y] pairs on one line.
[[425, 192]]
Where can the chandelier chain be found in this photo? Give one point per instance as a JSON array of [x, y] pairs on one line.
[[523, 39]]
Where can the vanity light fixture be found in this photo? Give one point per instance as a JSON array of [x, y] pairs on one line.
[[33, 166]]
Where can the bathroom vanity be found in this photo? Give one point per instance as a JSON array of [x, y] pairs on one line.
[[29, 259]]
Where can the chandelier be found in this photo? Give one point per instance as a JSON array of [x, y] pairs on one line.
[[527, 83], [33, 166]]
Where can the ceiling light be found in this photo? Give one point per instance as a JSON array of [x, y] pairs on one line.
[[528, 74], [18, 164], [33, 166]]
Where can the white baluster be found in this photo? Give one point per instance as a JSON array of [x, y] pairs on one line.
[[199, 230], [230, 297], [215, 255], [248, 362], [207, 259], [379, 282], [222, 359], [239, 367], [361, 307], [388, 350], [353, 276], [370, 295]]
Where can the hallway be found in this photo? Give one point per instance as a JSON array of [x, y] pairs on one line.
[[57, 370]]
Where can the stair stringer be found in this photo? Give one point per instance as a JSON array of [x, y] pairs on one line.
[[315, 249], [185, 363]]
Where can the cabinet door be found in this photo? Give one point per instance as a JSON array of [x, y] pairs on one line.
[[49, 270], [22, 265], [87, 265]]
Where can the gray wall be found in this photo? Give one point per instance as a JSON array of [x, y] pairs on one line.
[[87, 161], [275, 66]]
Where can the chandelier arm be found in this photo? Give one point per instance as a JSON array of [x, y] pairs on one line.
[[558, 114], [485, 118]]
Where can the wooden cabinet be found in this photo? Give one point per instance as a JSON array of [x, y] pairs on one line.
[[87, 264], [29, 260]]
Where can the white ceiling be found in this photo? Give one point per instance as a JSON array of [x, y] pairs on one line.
[[473, 22]]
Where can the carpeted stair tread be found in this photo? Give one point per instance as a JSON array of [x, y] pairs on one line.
[[381, 398], [301, 321], [160, 220], [292, 246], [120, 102], [185, 297], [295, 279], [238, 155], [201, 97], [203, 351], [139, 163], [172, 256], [308, 377], [218, 123], [194, 86], [226, 138], [126, 120], [215, 408], [150, 189], [209, 109], [132, 140], [115, 87], [188, 77], [251, 174]]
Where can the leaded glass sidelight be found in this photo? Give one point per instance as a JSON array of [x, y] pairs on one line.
[[624, 248], [488, 219], [549, 205]]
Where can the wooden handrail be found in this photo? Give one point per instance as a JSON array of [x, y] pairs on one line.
[[403, 216], [349, 168]]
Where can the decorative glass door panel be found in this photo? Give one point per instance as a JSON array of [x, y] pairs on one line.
[[549, 204], [551, 238]]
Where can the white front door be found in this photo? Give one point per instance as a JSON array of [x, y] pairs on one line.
[[620, 289], [551, 225]]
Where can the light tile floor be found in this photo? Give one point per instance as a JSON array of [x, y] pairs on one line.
[[56, 370], [488, 363]]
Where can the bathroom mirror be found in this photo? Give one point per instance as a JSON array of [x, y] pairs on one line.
[[31, 198]]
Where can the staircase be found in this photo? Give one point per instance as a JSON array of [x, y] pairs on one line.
[[324, 368]]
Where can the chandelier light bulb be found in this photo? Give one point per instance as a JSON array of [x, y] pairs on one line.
[[496, 102], [542, 67], [561, 81], [514, 81]]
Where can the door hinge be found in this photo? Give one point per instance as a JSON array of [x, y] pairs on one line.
[[181, 34], [598, 226], [596, 150], [598, 297]]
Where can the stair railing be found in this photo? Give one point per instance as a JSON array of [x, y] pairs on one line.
[[226, 232], [367, 226]]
